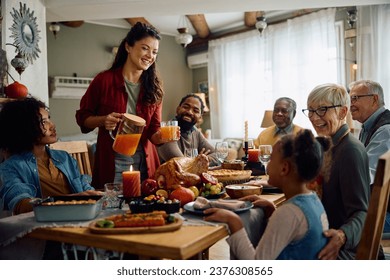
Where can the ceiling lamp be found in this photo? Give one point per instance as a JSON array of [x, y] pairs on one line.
[[55, 28], [261, 24], [352, 17], [183, 38]]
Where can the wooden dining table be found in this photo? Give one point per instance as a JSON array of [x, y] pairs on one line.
[[185, 243], [188, 242]]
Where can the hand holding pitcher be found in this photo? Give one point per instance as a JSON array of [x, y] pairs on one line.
[[111, 120]]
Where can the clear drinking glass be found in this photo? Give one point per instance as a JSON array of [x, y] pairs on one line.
[[221, 150], [111, 194], [192, 153], [265, 155]]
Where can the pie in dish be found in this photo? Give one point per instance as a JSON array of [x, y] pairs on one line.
[[224, 175]]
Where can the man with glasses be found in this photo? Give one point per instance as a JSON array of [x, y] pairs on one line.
[[283, 116], [367, 107]]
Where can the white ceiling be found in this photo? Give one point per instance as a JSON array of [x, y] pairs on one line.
[[165, 14]]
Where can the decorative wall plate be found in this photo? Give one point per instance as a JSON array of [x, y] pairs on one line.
[[25, 33]]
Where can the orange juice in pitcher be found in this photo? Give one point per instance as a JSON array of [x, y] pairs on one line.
[[128, 134], [126, 144]]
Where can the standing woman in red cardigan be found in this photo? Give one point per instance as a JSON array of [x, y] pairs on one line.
[[133, 86]]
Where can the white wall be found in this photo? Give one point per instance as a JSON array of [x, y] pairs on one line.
[[35, 75]]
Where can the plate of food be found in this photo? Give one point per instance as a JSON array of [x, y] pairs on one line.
[[214, 196], [190, 206], [156, 221], [211, 188]]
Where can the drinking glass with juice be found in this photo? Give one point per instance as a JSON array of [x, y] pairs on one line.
[[169, 130]]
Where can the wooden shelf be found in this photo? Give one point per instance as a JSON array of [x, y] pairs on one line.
[[2, 100]]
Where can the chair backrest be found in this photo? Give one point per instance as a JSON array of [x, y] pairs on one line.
[[368, 247], [79, 151]]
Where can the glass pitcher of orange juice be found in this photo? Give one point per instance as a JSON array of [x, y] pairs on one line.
[[128, 134]]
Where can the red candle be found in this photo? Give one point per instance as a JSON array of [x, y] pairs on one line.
[[131, 183], [253, 155]]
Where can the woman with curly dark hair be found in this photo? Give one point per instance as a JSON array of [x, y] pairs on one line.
[[132, 86], [32, 169]]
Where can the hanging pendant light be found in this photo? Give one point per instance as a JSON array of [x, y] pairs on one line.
[[261, 24], [351, 17], [183, 38], [55, 28]]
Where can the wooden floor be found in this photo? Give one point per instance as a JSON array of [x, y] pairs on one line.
[[219, 251]]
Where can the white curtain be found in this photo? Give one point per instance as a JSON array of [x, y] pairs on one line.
[[248, 72], [373, 46]]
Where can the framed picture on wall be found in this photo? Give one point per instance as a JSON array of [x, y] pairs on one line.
[[203, 87]]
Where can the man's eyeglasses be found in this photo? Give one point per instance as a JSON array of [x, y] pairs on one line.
[[355, 98], [321, 111]]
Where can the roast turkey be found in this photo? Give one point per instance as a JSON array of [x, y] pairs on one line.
[[181, 170]]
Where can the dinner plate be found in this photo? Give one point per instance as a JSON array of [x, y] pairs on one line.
[[190, 208], [168, 227]]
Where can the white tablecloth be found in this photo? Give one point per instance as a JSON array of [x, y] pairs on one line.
[[13, 229]]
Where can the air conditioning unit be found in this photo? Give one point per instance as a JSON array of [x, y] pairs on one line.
[[197, 60], [68, 87]]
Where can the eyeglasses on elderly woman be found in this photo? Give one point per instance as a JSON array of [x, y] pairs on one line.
[[321, 111]]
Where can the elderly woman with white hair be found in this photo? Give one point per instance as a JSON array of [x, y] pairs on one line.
[[345, 192]]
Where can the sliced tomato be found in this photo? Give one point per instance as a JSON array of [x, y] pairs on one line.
[[208, 178]]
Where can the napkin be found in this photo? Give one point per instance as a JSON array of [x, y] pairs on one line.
[[202, 203]]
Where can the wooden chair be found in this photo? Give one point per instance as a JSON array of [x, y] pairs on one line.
[[79, 151], [368, 247]]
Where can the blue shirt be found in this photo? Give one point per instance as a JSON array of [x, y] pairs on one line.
[[19, 177], [379, 143], [283, 131], [314, 240]]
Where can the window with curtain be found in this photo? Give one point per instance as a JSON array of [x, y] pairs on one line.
[[249, 71], [373, 46]]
